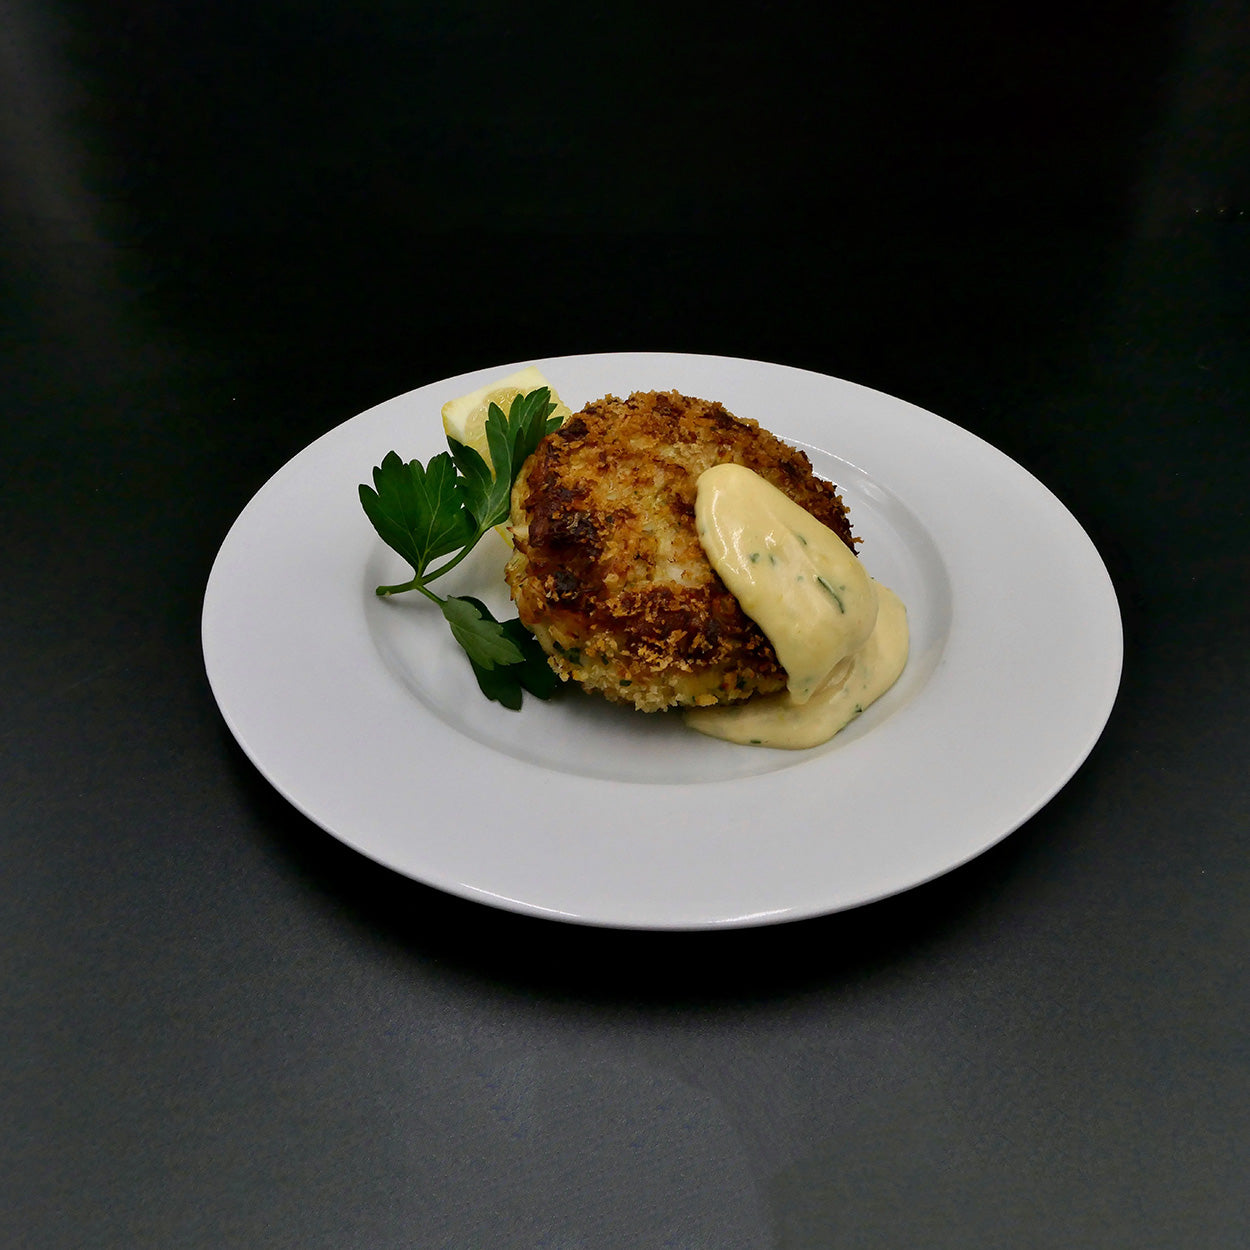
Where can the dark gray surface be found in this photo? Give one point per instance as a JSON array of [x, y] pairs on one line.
[[228, 229]]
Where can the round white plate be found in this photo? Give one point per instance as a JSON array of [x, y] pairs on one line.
[[365, 715]]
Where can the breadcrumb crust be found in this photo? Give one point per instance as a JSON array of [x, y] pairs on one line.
[[608, 571]]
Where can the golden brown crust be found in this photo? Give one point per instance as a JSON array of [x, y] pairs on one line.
[[608, 570]]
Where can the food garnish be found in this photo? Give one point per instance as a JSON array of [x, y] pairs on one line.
[[444, 508], [464, 418]]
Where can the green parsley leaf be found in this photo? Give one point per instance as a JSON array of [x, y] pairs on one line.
[[534, 672], [528, 420], [499, 684], [504, 682], [418, 511], [477, 484], [479, 633], [512, 439], [446, 506]]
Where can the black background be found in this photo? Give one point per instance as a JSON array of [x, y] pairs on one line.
[[228, 228]]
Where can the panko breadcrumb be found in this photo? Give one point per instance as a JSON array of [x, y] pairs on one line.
[[608, 571]]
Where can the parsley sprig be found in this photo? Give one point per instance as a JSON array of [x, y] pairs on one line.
[[443, 508]]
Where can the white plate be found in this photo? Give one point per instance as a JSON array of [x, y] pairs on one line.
[[366, 716]]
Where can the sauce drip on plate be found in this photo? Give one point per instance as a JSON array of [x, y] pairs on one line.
[[841, 636]]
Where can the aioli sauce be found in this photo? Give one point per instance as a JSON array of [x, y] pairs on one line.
[[841, 637]]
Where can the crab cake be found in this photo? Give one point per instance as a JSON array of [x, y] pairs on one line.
[[608, 571]]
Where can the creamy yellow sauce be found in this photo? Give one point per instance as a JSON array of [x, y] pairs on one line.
[[841, 637]]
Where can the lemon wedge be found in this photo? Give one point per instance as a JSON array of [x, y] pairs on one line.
[[464, 419]]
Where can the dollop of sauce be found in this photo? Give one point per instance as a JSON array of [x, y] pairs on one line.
[[841, 636]]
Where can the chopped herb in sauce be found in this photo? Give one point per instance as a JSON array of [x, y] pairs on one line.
[[827, 587]]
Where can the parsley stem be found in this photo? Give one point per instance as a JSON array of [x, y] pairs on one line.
[[420, 583], [383, 591], [460, 555], [417, 583]]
